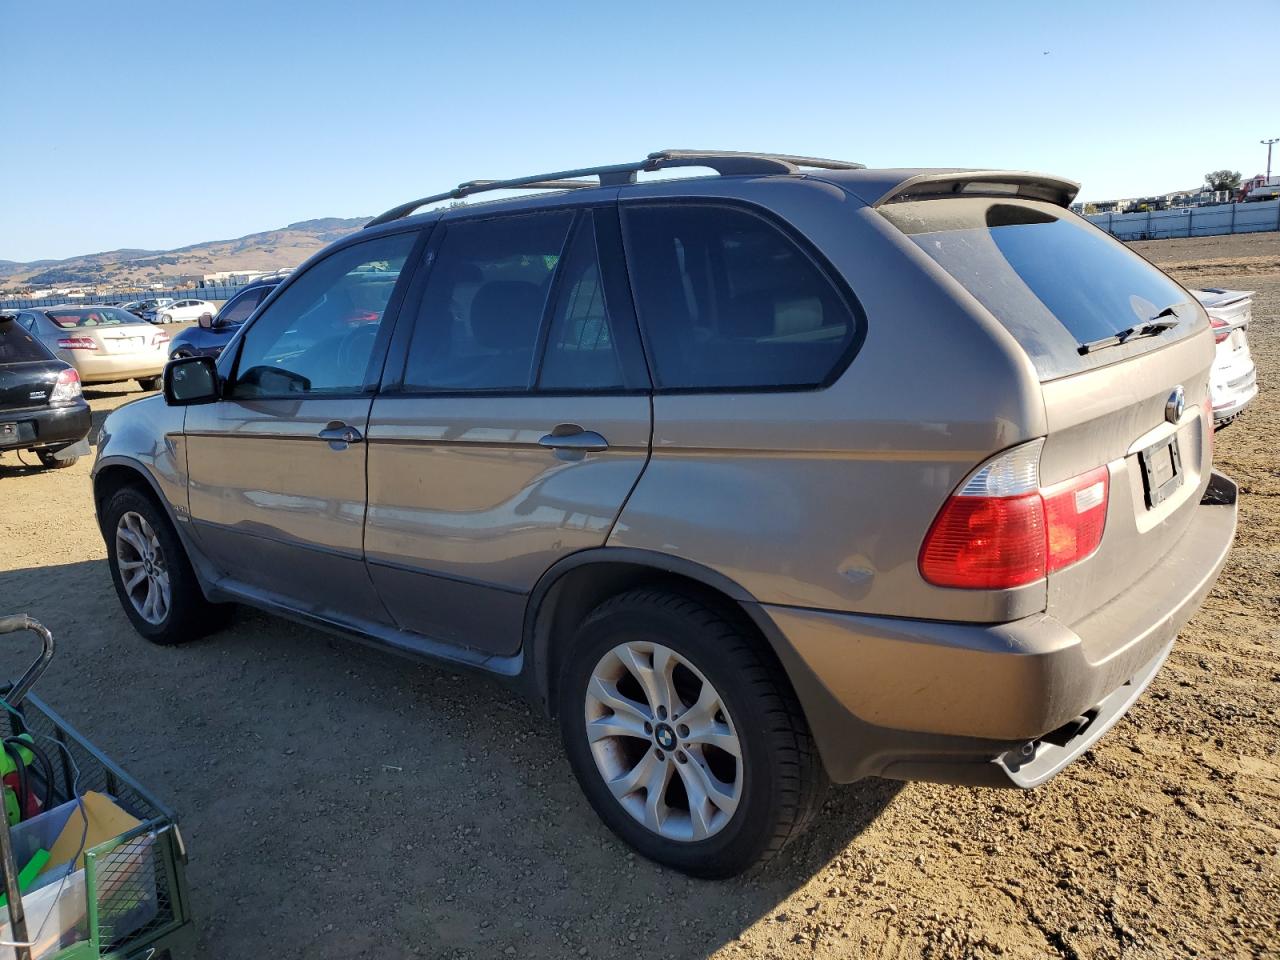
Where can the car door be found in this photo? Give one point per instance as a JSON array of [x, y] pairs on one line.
[[513, 422], [276, 484]]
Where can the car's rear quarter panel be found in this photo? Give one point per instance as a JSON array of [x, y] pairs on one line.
[[821, 498]]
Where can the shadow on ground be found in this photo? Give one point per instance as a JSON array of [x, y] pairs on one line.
[[340, 801]]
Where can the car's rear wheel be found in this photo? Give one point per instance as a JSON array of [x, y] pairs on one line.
[[151, 572], [151, 383], [50, 462], [685, 734]]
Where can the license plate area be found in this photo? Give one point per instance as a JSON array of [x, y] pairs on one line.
[[1161, 470]]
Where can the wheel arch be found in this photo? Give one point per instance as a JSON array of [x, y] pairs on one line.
[[111, 474], [579, 583]]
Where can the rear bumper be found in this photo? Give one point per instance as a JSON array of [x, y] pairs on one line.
[[1230, 397], [1000, 705], [112, 368], [47, 426]]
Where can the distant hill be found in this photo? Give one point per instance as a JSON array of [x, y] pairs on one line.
[[286, 247]]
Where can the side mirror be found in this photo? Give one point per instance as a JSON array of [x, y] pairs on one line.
[[191, 380], [205, 321]]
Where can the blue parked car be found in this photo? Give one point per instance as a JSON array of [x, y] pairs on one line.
[[212, 333]]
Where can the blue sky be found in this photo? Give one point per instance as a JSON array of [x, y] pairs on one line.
[[157, 124]]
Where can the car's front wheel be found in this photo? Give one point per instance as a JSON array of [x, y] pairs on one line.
[[166, 318], [151, 383], [685, 735], [151, 572]]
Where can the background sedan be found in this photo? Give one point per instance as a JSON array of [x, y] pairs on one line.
[[104, 344]]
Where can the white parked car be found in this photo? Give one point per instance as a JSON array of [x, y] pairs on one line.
[[182, 311], [1233, 380]]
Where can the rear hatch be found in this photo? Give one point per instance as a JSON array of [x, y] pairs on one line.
[[27, 371], [1123, 355], [108, 331], [1230, 312], [135, 338]]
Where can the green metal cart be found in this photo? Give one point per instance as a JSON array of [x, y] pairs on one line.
[[129, 900]]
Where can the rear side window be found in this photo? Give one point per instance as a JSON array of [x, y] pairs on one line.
[[18, 345], [238, 310], [1053, 280], [477, 328], [728, 301], [582, 351]]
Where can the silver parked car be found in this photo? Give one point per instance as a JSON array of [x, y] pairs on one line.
[[801, 472]]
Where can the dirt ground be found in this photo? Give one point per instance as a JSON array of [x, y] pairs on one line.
[[342, 802]]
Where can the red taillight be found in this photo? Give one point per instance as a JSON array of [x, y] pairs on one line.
[[1001, 530], [67, 389], [986, 543], [1075, 512], [1221, 329], [160, 338], [77, 343]]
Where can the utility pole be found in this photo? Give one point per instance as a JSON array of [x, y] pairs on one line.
[[1268, 144]]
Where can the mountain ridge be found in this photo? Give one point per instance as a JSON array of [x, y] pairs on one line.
[[284, 246]]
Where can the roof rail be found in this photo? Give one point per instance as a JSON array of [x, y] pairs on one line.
[[724, 162]]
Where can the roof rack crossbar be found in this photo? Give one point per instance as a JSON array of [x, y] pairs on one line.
[[724, 162]]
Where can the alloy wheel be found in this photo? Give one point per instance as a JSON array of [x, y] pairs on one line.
[[143, 569], [663, 741]]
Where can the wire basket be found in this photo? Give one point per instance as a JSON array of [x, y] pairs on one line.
[[134, 884]]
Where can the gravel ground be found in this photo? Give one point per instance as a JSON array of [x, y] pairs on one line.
[[340, 802]]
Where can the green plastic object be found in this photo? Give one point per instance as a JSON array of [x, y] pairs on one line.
[[27, 875], [12, 810]]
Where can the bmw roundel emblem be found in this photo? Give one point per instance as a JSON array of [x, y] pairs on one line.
[[1176, 403]]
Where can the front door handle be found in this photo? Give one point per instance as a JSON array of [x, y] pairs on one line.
[[570, 436], [340, 434]]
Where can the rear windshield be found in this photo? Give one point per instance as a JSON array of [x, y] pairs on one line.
[[1053, 280], [90, 316], [17, 345]]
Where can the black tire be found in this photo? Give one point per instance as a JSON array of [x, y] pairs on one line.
[[180, 354], [189, 614], [782, 778], [151, 383], [50, 462]]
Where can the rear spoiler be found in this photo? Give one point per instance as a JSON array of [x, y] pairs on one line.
[[983, 183]]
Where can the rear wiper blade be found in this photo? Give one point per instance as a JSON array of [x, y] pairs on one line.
[[1164, 320]]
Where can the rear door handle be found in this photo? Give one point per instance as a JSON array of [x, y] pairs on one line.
[[340, 434], [570, 436]]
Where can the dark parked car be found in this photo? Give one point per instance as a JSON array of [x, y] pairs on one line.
[[212, 333], [41, 407]]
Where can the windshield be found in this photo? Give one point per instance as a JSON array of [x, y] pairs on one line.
[[69, 317], [17, 345], [1053, 280]]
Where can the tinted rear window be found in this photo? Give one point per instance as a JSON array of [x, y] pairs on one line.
[[69, 317], [1053, 280], [17, 345], [729, 301]]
